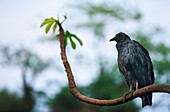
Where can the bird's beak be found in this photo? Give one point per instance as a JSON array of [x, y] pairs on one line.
[[112, 39]]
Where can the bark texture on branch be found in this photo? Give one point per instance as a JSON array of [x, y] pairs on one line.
[[72, 85]]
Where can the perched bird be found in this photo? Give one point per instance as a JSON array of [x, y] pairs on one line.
[[135, 64]]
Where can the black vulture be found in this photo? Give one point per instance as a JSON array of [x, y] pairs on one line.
[[135, 64]]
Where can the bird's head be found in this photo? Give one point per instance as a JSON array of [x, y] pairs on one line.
[[120, 37]]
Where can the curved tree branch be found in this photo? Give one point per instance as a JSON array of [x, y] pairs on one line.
[[72, 85]]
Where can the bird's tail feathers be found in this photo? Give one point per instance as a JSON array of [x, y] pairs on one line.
[[146, 99]]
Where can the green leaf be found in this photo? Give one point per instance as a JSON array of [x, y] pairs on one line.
[[75, 36], [69, 35], [78, 39], [54, 27], [65, 16], [66, 35], [58, 35], [48, 27], [73, 45], [46, 21]]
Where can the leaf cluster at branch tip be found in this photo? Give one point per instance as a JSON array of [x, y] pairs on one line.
[[51, 22]]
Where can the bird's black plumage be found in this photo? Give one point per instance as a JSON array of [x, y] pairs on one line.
[[135, 64]]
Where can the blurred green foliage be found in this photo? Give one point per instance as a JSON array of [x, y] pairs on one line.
[[100, 15], [30, 65], [109, 10], [10, 102], [64, 102], [24, 59]]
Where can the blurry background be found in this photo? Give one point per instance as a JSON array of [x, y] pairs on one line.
[[32, 77]]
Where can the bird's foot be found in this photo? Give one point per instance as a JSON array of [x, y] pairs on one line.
[[131, 92]]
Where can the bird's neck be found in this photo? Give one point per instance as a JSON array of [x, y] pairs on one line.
[[121, 46]]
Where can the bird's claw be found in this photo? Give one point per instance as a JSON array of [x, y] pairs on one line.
[[131, 92]]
